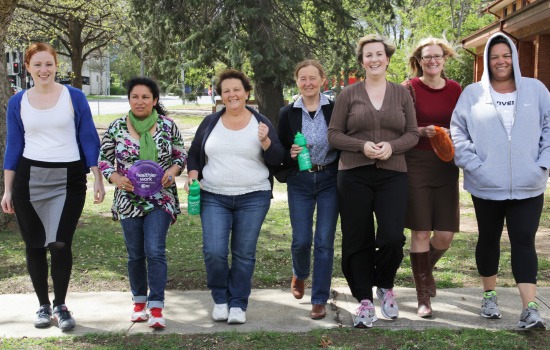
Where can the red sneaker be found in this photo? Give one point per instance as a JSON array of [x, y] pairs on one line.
[[156, 320], [139, 314]]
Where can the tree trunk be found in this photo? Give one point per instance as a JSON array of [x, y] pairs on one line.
[[77, 62], [268, 89], [6, 11], [269, 96], [76, 50]]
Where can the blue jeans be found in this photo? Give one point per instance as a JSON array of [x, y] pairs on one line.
[[235, 219], [305, 190], [145, 238]]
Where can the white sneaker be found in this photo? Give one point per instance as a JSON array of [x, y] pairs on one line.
[[139, 314], [389, 306], [236, 316], [43, 317], [65, 321], [220, 312], [365, 315], [156, 320]]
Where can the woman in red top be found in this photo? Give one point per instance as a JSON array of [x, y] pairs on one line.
[[433, 184]]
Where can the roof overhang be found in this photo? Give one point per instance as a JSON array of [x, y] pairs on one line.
[[497, 5], [538, 11]]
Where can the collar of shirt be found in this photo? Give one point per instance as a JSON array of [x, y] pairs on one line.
[[323, 100]]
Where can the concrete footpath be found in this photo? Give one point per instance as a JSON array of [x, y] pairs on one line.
[[269, 309]]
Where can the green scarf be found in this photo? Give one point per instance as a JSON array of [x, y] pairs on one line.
[[147, 146]]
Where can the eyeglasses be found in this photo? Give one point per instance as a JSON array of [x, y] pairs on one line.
[[429, 58]]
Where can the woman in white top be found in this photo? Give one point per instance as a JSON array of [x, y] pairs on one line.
[[230, 155], [501, 132], [51, 144]]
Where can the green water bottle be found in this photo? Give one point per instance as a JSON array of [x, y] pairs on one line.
[[304, 160], [194, 198]]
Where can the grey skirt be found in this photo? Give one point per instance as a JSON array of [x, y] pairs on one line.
[[48, 199]]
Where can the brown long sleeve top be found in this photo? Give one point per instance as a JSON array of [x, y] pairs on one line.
[[355, 121]]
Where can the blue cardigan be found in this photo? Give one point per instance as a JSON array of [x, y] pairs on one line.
[[86, 134]]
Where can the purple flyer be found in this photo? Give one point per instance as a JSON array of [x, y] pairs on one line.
[[146, 176]]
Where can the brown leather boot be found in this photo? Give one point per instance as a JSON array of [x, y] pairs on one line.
[[420, 263], [297, 287], [435, 255], [318, 311]]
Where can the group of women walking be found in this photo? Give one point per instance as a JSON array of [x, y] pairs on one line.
[[372, 163]]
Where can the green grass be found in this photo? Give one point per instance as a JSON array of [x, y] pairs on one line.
[[100, 256], [102, 97], [434, 339], [102, 121], [100, 265], [192, 106]]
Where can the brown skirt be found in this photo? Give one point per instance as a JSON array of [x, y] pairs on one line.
[[433, 200]]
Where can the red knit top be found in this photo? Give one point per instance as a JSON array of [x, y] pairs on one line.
[[434, 106]]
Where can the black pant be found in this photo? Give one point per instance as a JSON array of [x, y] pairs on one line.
[[371, 257], [522, 220]]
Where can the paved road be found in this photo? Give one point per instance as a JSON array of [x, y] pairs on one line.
[[115, 106]]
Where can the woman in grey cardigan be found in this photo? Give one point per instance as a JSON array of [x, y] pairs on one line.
[[501, 131]]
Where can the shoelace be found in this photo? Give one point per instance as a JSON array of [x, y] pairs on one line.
[[63, 314], [364, 308], [238, 311], [529, 314], [489, 302], [156, 312], [43, 312], [139, 307], [389, 297]]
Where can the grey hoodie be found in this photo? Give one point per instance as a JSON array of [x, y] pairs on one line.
[[498, 167]]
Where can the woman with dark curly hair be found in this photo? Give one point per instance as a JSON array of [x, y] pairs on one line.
[[231, 155]]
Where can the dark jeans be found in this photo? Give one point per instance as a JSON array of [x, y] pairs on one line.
[[231, 222], [522, 221], [145, 238], [371, 257], [305, 192]]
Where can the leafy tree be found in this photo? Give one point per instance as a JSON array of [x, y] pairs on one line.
[[125, 64], [77, 28], [451, 19], [268, 37]]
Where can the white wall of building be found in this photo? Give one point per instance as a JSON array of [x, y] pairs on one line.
[[98, 69]]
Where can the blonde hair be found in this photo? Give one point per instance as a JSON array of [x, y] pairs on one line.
[[414, 59], [307, 63], [389, 46]]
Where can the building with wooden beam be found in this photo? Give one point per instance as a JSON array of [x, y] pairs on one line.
[[528, 24]]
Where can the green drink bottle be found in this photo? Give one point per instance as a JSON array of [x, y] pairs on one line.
[[194, 198], [304, 160]]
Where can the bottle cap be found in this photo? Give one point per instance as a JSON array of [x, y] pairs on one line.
[[194, 187]]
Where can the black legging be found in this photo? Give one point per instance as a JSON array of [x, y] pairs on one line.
[[522, 220], [62, 263]]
